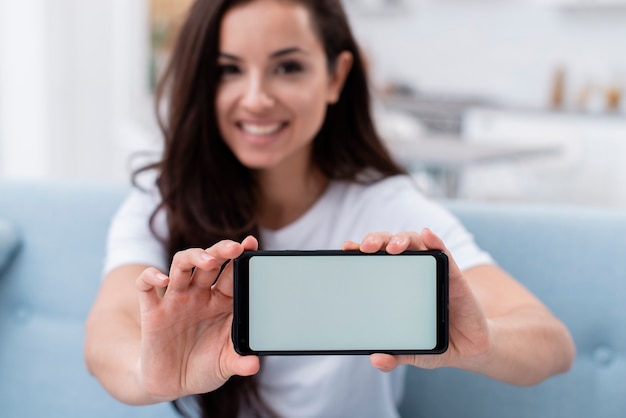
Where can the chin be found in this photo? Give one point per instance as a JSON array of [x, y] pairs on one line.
[[257, 163]]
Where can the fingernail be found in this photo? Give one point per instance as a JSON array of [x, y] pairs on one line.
[[161, 277], [396, 241], [230, 244]]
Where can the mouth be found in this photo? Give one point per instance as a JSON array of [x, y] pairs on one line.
[[261, 129]]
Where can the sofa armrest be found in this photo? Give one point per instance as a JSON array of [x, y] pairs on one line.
[[9, 242]]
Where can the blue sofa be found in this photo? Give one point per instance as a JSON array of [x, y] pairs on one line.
[[52, 238]]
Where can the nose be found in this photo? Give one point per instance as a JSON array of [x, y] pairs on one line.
[[257, 97]]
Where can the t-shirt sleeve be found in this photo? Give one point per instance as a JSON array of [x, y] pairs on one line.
[[409, 210], [459, 241], [130, 239]]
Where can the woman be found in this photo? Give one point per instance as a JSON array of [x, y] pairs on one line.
[[269, 144]]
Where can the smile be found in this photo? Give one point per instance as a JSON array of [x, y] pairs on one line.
[[258, 129]]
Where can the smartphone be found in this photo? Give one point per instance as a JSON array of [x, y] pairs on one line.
[[340, 302]]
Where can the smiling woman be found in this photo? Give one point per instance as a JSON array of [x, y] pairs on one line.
[[269, 144], [274, 89]]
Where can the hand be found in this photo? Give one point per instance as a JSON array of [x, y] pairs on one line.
[[469, 332], [186, 345]]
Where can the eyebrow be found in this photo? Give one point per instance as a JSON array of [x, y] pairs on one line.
[[277, 54]]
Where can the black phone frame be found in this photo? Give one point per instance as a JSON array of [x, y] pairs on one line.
[[240, 324]]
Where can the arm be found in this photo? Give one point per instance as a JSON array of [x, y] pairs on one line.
[[146, 348], [497, 327], [526, 343], [113, 336]]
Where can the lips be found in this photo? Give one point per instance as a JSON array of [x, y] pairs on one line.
[[261, 129]]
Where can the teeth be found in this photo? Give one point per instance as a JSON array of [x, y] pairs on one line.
[[255, 129]]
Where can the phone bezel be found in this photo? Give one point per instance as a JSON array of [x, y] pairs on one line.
[[240, 328]]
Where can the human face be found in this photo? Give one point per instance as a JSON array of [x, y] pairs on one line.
[[274, 83]]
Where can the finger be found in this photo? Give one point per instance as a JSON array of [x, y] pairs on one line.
[[384, 362], [225, 250], [245, 365], [350, 245], [224, 284], [402, 241], [183, 265], [387, 362], [433, 242], [250, 243], [375, 241], [205, 276], [147, 284], [216, 258]]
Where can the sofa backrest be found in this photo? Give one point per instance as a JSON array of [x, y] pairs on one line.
[[573, 258], [46, 292], [9, 243]]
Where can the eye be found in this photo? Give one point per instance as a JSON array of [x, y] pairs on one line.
[[289, 67], [225, 70]]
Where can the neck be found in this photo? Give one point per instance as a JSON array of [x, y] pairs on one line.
[[287, 194]]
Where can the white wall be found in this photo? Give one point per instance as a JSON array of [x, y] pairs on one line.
[[24, 120], [505, 50], [72, 90], [73, 98]]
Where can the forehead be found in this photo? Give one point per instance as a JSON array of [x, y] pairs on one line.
[[267, 25]]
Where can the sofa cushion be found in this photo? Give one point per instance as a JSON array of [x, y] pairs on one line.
[[9, 240]]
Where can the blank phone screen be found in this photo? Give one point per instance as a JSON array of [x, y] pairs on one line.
[[326, 302]]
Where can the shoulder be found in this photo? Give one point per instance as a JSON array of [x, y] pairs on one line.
[[144, 196], [134, 237]]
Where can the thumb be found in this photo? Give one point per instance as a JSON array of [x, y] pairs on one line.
[[432, 241], [245, 365]]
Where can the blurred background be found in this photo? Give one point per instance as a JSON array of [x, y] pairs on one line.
[[504, 100]]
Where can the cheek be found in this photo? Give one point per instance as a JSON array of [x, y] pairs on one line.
[[310, 104], [223, 102]]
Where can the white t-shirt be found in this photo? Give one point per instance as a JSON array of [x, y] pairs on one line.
[[317, 386]]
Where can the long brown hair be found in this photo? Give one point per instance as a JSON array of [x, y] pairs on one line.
[[207, 194]]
